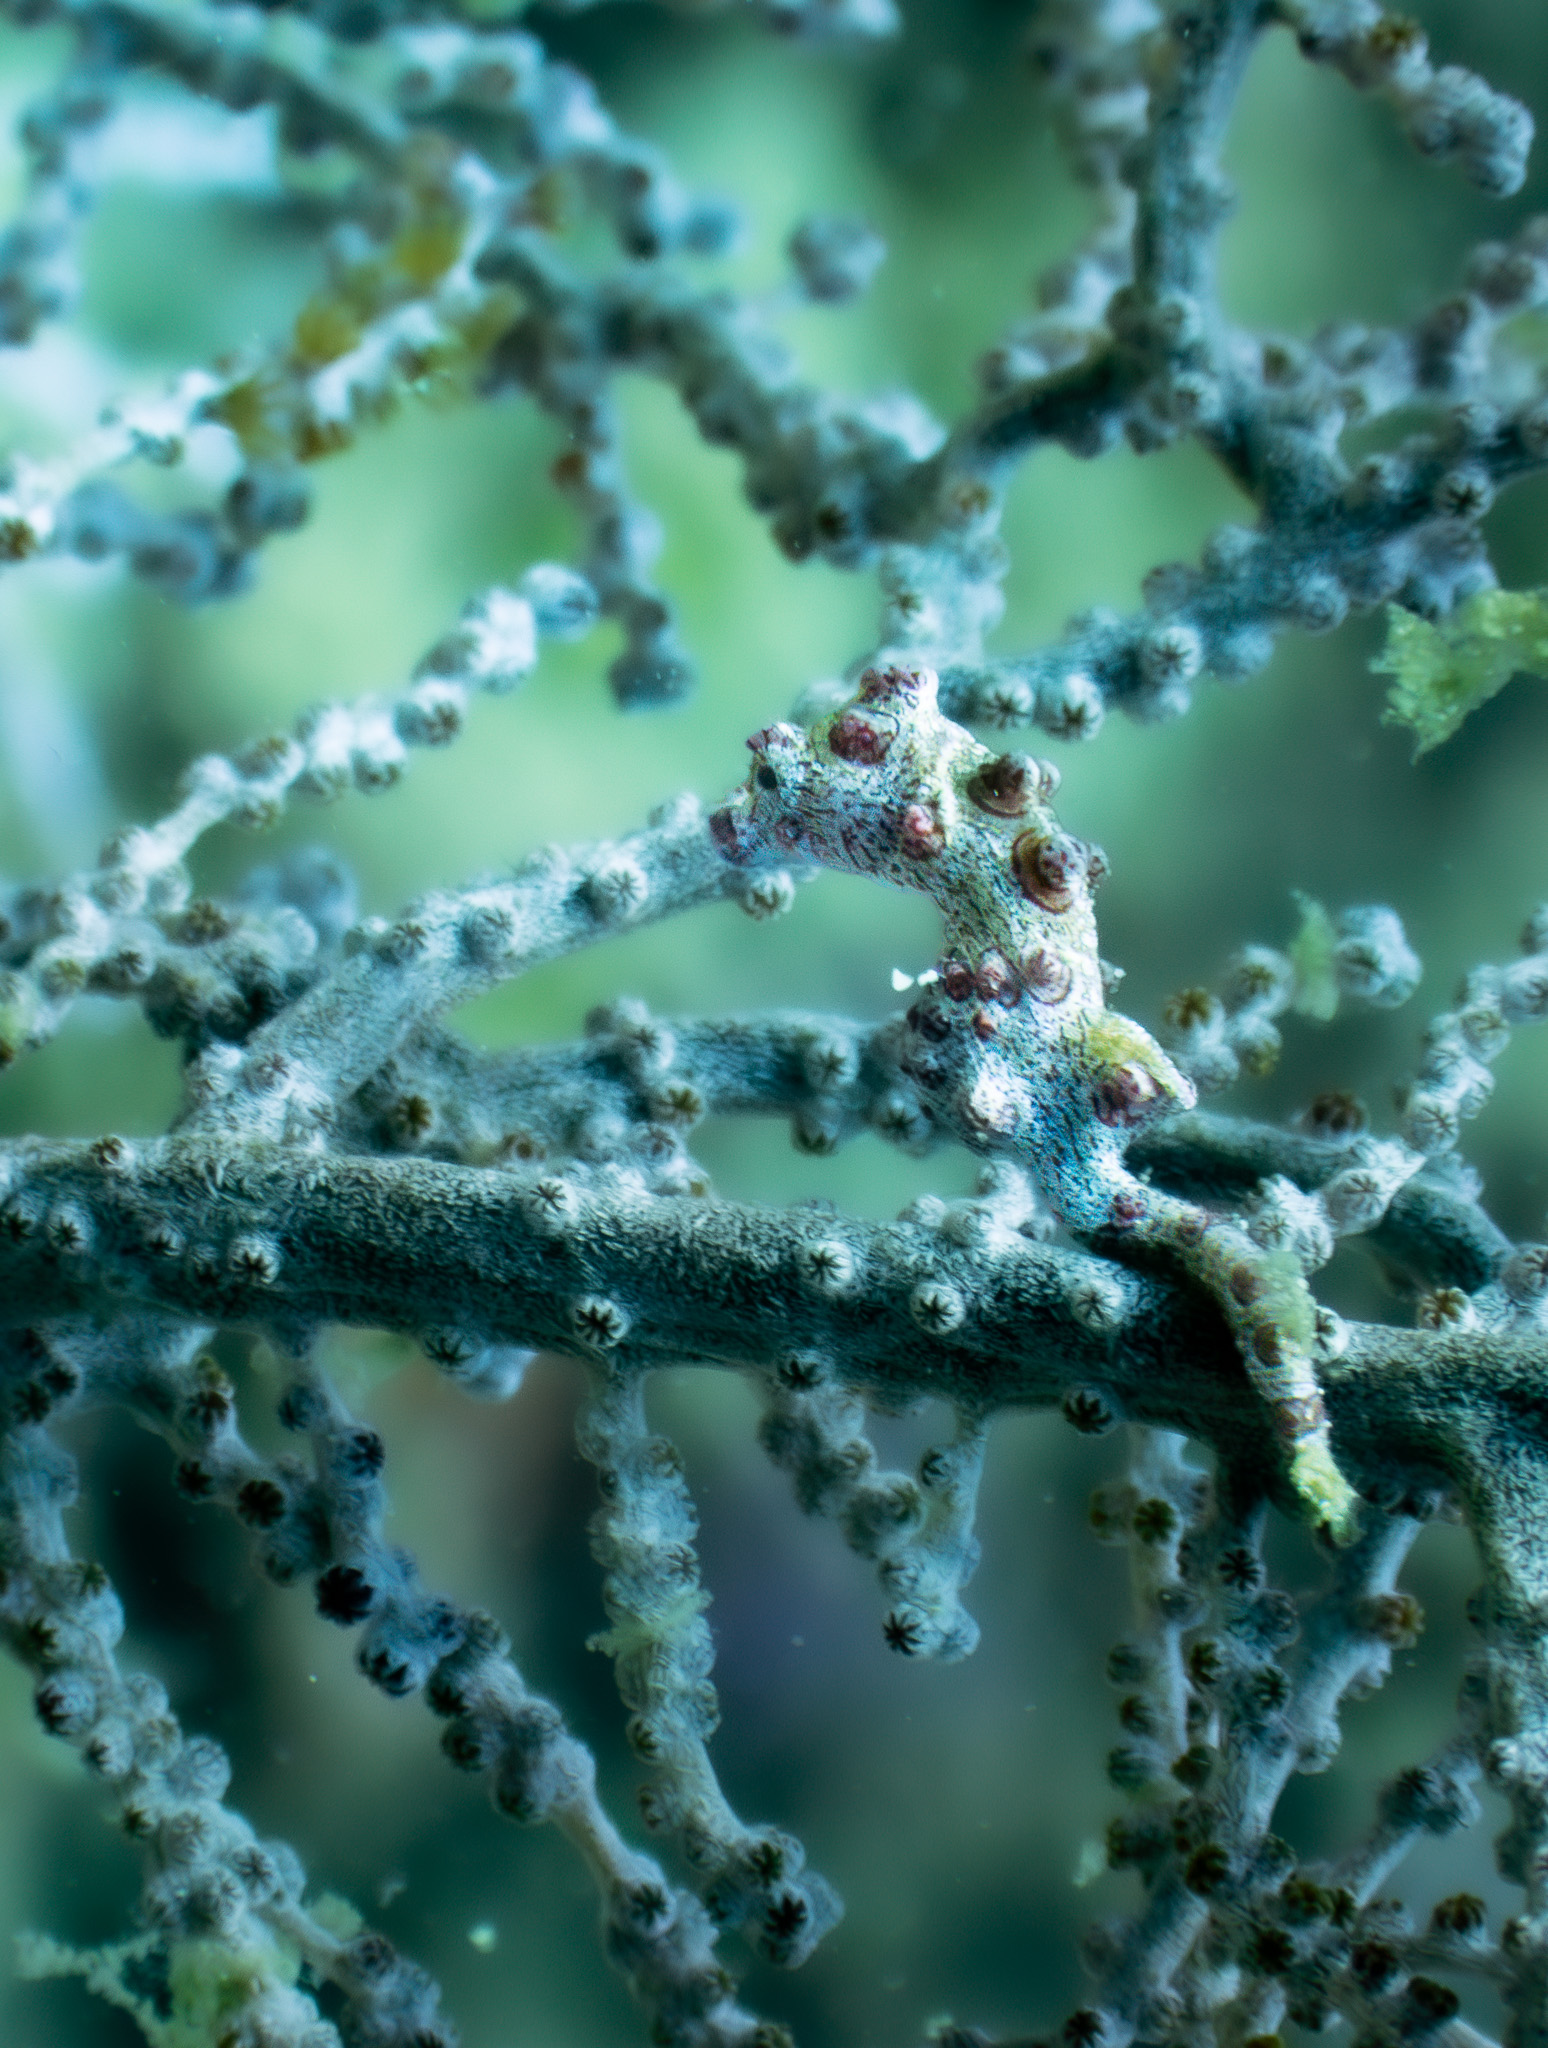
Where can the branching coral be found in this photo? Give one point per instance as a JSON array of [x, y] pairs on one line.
[[343, 1159]]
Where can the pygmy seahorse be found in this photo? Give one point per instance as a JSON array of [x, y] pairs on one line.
[[1013, 1047]]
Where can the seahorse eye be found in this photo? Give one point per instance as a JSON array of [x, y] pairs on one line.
[[766, 778]]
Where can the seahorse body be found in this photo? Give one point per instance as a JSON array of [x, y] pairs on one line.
[[1013, 1045]]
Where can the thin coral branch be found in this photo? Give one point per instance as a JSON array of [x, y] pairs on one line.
[[132, 927]]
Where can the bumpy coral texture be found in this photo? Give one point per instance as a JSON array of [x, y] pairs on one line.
[[342, 1158]]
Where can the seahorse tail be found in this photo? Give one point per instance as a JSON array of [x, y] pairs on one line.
[[1272, 1314]]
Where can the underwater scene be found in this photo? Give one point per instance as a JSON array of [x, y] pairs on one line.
[[773, 894]]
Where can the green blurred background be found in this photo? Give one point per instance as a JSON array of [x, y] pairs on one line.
[[950, 1806]]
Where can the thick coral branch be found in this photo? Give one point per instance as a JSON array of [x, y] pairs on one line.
[[637, 1083], [510, 1257]]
